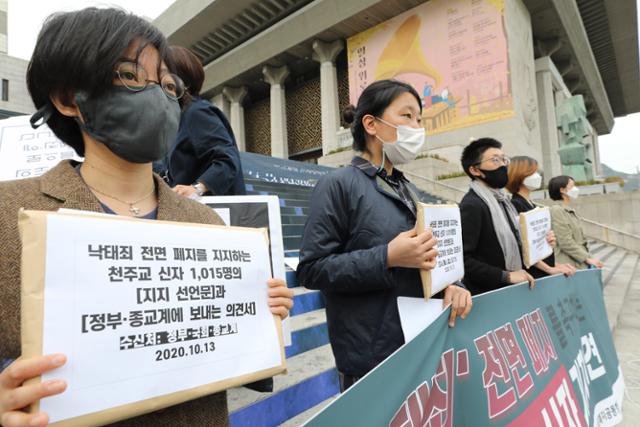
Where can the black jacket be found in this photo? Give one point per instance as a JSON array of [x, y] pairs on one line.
[[523, 205], [354, 215], [483, 257], [206, 151]]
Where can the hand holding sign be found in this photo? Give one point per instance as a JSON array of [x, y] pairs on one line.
[[411, 249], [280, 298], [18, 391], [460, 300]]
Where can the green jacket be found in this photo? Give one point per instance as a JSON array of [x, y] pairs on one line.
[[571, 245]]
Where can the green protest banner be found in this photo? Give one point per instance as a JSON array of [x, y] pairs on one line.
[[541, 357]]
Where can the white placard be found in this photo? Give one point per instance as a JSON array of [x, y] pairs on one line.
[[416, 314], [249, 219], [146, 308], [292, 262], [26, 152], [444, 221], [534, 227], [224, 214]]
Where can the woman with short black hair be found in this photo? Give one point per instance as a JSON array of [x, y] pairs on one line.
[[360, 246], [102, 81], [572, 247], [204, 159]]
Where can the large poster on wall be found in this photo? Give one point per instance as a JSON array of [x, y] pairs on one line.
[[453, 52]]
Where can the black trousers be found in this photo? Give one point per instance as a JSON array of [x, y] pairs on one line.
[[346, 381]]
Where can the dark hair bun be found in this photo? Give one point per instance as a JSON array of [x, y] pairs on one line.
[[349, 114]]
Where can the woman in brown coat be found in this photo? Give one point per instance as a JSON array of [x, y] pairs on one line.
[[100, 80], [572, 245]]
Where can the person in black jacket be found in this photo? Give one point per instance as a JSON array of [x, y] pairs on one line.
[[523, 179], [491, 240], [204, 159], [360, 246]]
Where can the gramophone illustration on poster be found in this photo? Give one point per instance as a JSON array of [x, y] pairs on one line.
[[453, 52]]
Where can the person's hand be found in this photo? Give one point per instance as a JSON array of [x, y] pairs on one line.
[[566, 269], [412, 250], [14, 395], [184, 190], [551, 239], [460, 300], [595, 262], [280, 297], [521, 276]]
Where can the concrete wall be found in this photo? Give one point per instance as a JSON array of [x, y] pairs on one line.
[[618, 210], [519, 134], [15, 70], [4, 9], [426, 166]]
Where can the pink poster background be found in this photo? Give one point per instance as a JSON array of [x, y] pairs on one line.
[[453, 52]]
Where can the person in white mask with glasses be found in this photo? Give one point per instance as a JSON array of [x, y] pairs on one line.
[[360, 246], [525, 178], [572, 247]]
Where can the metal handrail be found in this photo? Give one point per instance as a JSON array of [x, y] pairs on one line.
[[433, 181], [635, 236]]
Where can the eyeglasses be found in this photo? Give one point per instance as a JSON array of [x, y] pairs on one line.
[[135, 78], [496, 160]]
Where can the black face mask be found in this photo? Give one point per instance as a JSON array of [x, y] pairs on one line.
[[138, 127], [497, 178]]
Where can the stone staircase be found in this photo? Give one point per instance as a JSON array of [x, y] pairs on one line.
[[621, 279], [311, 379], [621, 268]]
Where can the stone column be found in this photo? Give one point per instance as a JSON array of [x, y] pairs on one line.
[[547, 115], [236, 111], [276, 76], [597, 165], [222, 103], [325, 54]]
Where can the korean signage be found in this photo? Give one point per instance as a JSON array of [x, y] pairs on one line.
[[26, 152], [521, 358], [534, 227], [444, 222], [184, 304], [453, 52]]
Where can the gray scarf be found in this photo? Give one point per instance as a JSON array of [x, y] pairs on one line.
[[508, 241]]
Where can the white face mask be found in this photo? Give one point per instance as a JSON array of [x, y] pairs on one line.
[[533, 182], [573, 193], [408, 144]]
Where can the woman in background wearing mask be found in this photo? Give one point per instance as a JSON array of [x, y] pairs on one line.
[[101, 80], [523, 179], [572, 246], [204, 159], [360, 246]]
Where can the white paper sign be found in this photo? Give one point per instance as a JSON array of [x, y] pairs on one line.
[[249, 214], [416, 314], [444, 221], [224, 214], [144, 309], [26, 152], [534, 227], [292, 262]]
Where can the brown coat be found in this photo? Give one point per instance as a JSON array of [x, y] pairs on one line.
[[62, 187], [572, 247]]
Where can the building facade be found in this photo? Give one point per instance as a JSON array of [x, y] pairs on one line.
[[14, 96], [283, 70]]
